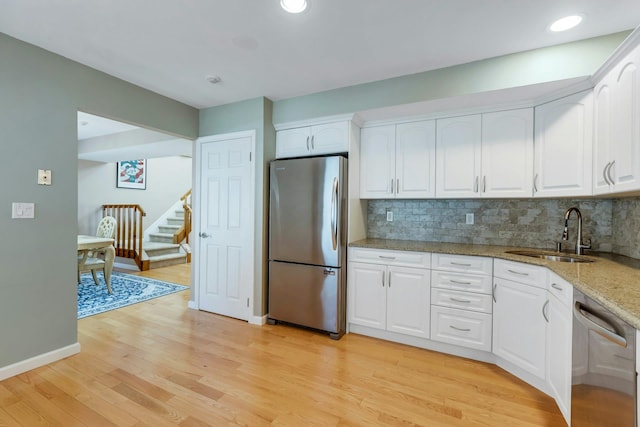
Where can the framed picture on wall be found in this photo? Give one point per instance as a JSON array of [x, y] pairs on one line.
[[132, 174]]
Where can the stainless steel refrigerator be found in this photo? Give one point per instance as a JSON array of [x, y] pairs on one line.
[[307, 236]]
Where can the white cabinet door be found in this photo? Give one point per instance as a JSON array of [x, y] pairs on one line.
[[367, 294], [377, 162], [330, 138], [293, 142], [458, 156], [563, 147], [559, 353], [507, 153], [408, 301], [415, 156], [617, 128], [519, 326]]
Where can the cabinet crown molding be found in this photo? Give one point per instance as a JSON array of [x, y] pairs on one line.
[[352, 117], [631, 42]]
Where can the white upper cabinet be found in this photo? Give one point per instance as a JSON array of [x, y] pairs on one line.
[[507, 153], [617, 128], [563, 147], [458, 156], [313, 140], [398, 161], [488, 155]]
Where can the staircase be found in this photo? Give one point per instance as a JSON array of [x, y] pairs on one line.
[[160, 250]]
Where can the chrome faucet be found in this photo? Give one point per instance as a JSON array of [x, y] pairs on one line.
[[565, 233]]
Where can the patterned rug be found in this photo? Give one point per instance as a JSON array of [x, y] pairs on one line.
[[127, 289]]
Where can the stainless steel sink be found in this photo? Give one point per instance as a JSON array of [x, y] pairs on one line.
[[551, 256]]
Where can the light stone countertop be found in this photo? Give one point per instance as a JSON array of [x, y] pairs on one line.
[[614, 285]]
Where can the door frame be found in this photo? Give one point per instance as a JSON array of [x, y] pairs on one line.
[[194, 301]]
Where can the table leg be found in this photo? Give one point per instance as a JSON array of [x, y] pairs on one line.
[[109, 257]]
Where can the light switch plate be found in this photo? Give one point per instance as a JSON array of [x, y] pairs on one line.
[[44, 176], [22, 210], [470, 219]]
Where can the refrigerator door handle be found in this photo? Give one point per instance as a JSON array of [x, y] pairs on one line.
[[334, 214]]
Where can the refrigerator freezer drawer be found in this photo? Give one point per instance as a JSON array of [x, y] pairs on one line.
[[312, 296]]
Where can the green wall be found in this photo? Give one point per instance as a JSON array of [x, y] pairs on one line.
[[41, 93], [253, 114], [559, 62]]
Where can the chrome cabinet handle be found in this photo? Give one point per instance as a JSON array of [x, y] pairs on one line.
[[391, 185], [517, 272], [204, 235], [460, 264], [307, 143], [386, 257], [475, 185], [484, 184], [583, 314], [495, 288], [535, 183], [313, 137], [459, 282], [611, 180], [397, 185], [460, 300], [544, 314], [604, 173], [460, 329], [383, 279], [558, 287]]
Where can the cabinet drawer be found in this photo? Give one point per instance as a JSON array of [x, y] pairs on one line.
[[522, 273], [460, 327], [463, 263], [481, 303], [387, 257], [461, 282], [562, 289]]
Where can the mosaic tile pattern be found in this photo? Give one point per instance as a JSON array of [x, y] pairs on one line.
[[535, 223]]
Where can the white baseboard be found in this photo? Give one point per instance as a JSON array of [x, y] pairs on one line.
[[38, 361], [258, 320], [193, 305]]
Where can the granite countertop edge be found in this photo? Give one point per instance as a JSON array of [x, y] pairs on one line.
[[614, 285]]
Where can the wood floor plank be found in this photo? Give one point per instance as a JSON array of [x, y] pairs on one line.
[[159, 363]]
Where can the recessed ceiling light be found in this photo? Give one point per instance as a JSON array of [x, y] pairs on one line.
[[566, 23], [294, 6]]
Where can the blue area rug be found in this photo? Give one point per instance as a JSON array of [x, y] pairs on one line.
[[127, 289]]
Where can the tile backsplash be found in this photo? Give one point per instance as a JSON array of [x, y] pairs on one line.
[[536, 223]]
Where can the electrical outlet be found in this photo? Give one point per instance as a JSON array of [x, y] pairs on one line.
[[44, 176], [470, 219], [389, 215]]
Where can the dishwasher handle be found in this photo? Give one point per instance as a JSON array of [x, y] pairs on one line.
[[584, 314]]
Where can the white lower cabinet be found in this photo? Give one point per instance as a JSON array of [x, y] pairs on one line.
[[519, 316], [559, 340], [386, 296], [461, 303]]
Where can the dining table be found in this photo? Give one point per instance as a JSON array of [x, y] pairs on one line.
[[94, 243]]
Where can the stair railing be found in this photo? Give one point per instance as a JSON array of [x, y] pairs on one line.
[[129, 232], [188, 214]]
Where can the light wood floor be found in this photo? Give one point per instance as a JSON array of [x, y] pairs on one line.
[[158, 363]]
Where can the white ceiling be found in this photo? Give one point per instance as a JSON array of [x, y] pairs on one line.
[[171, 46]]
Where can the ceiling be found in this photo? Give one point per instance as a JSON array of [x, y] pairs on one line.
[[257, 49]]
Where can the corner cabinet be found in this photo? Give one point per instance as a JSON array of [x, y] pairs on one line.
[[563, 147], [617, 128], [485, 155], [389, 290], [398, 161], [520, 316], [313, 140]]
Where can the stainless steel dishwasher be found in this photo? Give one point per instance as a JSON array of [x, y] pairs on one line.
[[603, 391]]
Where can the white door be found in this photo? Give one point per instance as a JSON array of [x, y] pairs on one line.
[[458, 157], [507, 153], [226, 226], [367, 298], [408, 301], [416, 160], [377, 162]]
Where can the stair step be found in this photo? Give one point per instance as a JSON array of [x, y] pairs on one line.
[[166, 260], [175, 221], [161, 237], [156, 249], [169, 229]]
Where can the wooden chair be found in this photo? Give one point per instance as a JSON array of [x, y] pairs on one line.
[[92, 260]]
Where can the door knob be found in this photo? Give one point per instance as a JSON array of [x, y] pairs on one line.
[[204, 235]]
